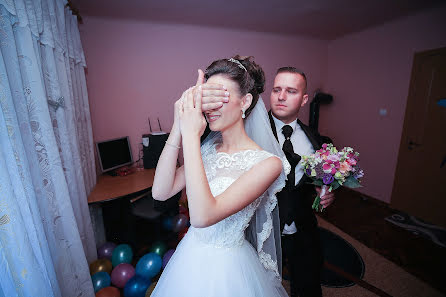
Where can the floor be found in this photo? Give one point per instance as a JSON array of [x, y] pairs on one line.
[[362, 218], [397, 262]]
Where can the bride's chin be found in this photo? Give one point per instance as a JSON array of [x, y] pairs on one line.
[[214, 127]]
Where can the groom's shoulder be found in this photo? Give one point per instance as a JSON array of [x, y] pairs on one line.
[[315, 134]]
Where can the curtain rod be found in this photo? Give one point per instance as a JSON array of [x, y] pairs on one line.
[[75, 11]]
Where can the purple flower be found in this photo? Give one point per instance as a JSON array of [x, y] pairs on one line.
[[328, 179], [308, 172], [319, 171], [359, 174]]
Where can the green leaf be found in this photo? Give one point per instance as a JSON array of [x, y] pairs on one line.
[[335, 185], [318, 183], [316, 203], [352, 183]]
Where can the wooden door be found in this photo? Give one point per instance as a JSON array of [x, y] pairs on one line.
[[420, 179]]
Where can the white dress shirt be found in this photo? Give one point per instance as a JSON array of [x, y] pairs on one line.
[[301, 146]]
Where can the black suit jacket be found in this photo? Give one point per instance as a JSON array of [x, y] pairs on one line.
[[295, 202]]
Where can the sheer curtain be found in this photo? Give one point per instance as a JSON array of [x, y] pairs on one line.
[[46, 153]]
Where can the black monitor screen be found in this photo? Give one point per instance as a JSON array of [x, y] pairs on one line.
[[114, 153]]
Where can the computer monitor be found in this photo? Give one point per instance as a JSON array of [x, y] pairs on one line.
[[114, 153]]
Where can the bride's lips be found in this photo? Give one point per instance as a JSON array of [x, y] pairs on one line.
[[212, 117]]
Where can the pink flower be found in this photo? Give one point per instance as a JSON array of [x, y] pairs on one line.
[[333, 171], [333, 158], [327, 167], [351, 161], [345, 167], [324, 146]]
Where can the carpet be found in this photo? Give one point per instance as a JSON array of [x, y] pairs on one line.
[[431, 232], [340, 253]]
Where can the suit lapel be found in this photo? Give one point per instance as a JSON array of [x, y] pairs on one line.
[[310, 135], [273, 125]]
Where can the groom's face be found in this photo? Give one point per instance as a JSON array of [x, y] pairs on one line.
[[288, 96]]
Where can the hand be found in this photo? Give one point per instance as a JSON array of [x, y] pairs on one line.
[[327, 199], [192, 121], [177, 105], [213, 95]]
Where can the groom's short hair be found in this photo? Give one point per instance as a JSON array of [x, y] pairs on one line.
[[291, 69]]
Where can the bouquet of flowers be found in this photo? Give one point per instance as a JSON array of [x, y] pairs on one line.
[[329, 168]]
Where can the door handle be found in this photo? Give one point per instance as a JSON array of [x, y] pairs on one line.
[[412, 145]]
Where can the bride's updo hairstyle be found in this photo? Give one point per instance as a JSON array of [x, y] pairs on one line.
[[243, 70]]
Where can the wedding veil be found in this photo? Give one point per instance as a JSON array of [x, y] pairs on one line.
[[263, 231]]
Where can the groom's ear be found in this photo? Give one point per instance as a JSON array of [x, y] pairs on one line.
[[246, 101]]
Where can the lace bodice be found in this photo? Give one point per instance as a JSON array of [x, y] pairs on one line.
[[222, 170]]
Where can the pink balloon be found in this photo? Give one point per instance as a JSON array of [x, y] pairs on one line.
[[121, 274]]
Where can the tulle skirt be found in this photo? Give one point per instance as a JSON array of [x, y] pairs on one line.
[[198, 269]]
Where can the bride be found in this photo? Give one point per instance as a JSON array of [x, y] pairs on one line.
[[233, 245]]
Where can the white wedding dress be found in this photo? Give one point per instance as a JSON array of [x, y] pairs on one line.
[[217, 261]]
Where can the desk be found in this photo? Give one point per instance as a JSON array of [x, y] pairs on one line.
[[113, 194], [112, 187]]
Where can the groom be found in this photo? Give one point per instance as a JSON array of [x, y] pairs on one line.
[[300, 235]]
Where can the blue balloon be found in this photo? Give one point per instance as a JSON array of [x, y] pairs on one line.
[[100, 280], [149, 265], [136, 286], [122, 254], [167, 223]]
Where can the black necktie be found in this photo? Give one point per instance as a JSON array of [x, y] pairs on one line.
[[292, 157]]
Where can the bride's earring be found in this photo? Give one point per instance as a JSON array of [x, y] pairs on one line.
[[243, 114]]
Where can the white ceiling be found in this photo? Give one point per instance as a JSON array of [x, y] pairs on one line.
[[322, 19]]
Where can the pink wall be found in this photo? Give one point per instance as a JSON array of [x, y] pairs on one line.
[[371, 70], [137, 70]]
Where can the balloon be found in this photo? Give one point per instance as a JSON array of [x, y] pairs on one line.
[[106, 250], [182, 209], [159, 248], [108, 292], [167, 223], [149, 265], [122, 254], [121, 274], [101, 265], [136, 286], [150, 289], [100, 280], [172, 242], [182, 233], [167, 256], [179, 222]]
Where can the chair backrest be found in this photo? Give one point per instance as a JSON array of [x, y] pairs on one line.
[[144, 207]]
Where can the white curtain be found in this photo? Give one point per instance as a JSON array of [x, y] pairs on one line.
[[46, 153]]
